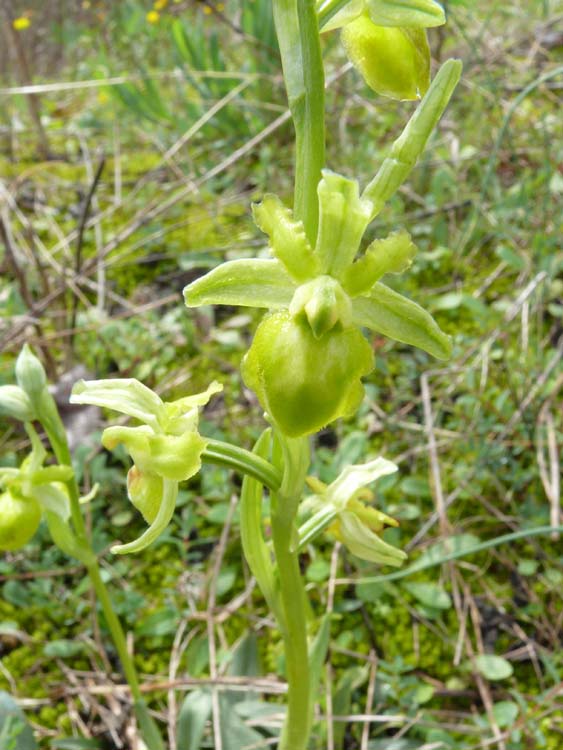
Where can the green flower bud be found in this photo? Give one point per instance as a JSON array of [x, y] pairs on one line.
[[394, 62], [19, 519], [304, 382], [15, 403], [30, 374]]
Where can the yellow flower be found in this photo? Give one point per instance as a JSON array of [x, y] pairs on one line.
[[153, 16], [21, 23], [160, 4], [207, 10]]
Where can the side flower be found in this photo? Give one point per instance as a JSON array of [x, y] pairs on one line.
[[166, 448], [339, 508], [309, 354], [386, 41]]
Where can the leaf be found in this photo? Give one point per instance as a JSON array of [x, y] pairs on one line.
[[505, 713], [429, 594], [194, 712], [15, 732], [494, 667], [63, 648]]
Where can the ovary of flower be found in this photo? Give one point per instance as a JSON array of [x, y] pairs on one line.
[[166, 449]]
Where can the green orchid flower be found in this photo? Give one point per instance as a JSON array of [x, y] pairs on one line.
[[339, 508], [166, 449], [31, 492], [309, 355], [386, 41]]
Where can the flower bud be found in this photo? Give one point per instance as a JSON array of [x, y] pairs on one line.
[[30, 374], [19, 519], [15, 403]]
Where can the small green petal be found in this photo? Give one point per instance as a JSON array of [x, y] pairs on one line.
[[343, 218], [125, 395], [163, 518], [288, 240], [135, 440], [366, 545], [182, 415], [394, 254], [420, 13], [401, 319], [249, 283], [176, 457]]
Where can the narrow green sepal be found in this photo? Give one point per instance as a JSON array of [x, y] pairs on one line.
[[343, 218], [288, 240], [408, 13], [126, 395], [249, 283], [365, 544], [393, 254], [389, 313], [410, 144]]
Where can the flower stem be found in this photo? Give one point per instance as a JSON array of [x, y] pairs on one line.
[[297, 726], [239, 459], [299, 42]]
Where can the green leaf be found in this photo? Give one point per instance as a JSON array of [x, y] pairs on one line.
[[419, 13], [15, 732], [194, 712], [249, 283], [401, 319], [493, 667], [505, 713], [430, 594], [63, 648]]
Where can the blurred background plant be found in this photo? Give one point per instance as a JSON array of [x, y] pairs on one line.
[[127, 170]]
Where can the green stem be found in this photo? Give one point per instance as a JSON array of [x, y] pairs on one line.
[[298, 36], [295, 733], [51, 421], [246, 462]]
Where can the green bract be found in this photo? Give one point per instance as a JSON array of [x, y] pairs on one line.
[[355, 524], [166, 449], [308, 355]]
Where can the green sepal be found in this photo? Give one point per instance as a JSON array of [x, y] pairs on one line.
[[389, 313], [410, 144], [303, 382], [393, 254], [343, 218], [249, 283], [349, 12], [407, 13], [394, 62], [161, 521], [365, 544], [288, 240], [126, 395]]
